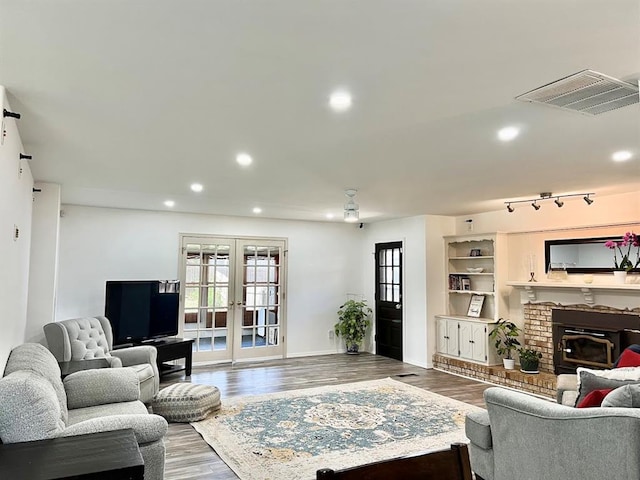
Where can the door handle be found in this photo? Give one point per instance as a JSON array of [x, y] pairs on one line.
[[396, 321], [398, 306]]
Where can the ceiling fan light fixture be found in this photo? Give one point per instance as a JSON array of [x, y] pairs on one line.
[[351, 208]]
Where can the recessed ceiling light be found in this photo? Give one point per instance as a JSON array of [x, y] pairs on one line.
[[340, 101], [197, 187], [329, 216], [257, 210], [621, 156], [244, 159], [169, 203], [507, 134]]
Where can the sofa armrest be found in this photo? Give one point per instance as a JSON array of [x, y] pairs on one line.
[[565, 383], [101, 386], [478, 429], [147, 428]]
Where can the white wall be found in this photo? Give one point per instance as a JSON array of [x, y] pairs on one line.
[[44, 260], [99, 244], [411, 231], [15, 209]]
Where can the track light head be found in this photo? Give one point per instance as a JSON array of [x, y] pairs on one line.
[[558, 202], [535, 206], [510, 209], [7, 113], [25, 157], [587, 199]]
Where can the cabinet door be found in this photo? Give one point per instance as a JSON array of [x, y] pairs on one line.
[[479, 341], [441, 345], [452, 338], [466, 340]]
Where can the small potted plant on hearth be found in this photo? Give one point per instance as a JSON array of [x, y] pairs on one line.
[[529, 360], [353, 320], [505, 337]]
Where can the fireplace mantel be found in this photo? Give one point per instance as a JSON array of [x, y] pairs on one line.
[[565, 293]]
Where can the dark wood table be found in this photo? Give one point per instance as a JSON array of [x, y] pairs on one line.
[[98, 456], [67, 368], [174, 349]]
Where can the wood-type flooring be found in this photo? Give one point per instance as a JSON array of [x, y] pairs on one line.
[[189, 457]]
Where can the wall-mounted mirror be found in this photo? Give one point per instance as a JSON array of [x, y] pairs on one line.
[[580, 255]]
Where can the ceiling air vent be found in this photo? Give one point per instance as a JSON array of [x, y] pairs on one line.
[[587, 92]]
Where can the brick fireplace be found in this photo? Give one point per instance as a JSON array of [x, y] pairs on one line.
[[538, 334]]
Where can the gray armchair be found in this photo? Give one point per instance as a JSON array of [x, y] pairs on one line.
[[92, 337], [528, 438], [35, 404]]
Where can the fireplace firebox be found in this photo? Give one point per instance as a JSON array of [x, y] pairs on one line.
[[590, 339]]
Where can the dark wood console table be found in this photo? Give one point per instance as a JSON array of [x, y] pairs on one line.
[[98, 456], [174, 349]]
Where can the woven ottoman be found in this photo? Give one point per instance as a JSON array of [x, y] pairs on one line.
[[186, 402]]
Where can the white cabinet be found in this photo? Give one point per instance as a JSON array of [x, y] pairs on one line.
[[466, 338]]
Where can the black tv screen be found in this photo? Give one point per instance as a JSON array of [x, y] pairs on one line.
[[142, 309]]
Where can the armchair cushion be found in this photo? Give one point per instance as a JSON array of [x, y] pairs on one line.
[[136, 355], [101, 386]]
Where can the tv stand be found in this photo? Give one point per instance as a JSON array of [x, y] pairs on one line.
[[173, 349]]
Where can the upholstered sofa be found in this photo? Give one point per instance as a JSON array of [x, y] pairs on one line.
[[523, 437], [92, 337], [36, 404]]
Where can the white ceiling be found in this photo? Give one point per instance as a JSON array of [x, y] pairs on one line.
[[125, 103]]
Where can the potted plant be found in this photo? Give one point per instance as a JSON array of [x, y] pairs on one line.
[[505, 337], [529, 360], [353, 320]]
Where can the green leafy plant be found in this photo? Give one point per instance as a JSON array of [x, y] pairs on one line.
[[353, 320], [529, 358], [505, 337]]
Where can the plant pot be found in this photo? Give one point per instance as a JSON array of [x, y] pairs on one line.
[[620, 277], [353, 349], [509, 363], [529, 366]]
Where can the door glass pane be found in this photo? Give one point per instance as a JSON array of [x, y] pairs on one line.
[[247, 338], [381, 258], [382, 277], [205, 343], [396, 293], [382, 293], [389, 257], [220, 339], [396, 275], [221, 319], [272, 336], [396, 256], [193, 274], [389, 294], [190, 319], [191, 297], [272, 317], [389, 274]]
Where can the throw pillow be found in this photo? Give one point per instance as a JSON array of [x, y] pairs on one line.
[[627, 396], [589, 381], [594, 398], [630, 357]]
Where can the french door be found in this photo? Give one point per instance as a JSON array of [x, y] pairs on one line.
[[232, 297]]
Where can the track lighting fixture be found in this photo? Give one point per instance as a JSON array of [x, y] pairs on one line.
[[25, 157], [548, 196], [7, 113], [351, 209]]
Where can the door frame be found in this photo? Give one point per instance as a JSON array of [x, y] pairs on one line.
[[283, 302]]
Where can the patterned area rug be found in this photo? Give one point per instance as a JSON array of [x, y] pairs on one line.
[[289, 435]]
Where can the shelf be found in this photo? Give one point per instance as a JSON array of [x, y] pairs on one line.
[[588, 290], [486, 274], [472, 292], [489, 257], [466, 318]]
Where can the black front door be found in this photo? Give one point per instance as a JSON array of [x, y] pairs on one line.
[[389, 299]]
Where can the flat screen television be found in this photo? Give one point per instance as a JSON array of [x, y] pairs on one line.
[[141, 310]]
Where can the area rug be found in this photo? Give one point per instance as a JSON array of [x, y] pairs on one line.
[[289, 435]]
